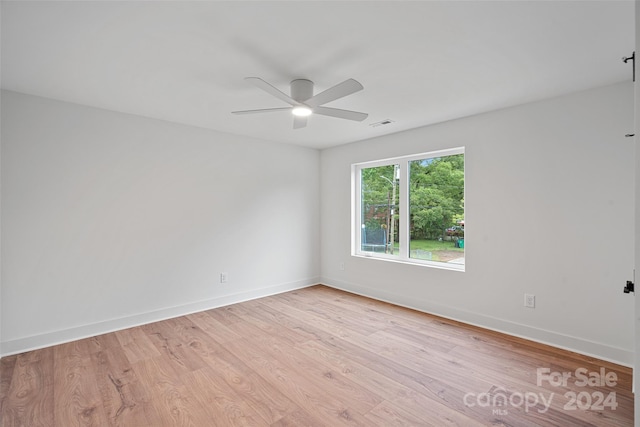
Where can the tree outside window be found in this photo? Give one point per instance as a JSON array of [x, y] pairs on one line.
[[412, 208]]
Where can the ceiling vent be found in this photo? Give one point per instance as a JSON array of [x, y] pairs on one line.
[[382, 123]]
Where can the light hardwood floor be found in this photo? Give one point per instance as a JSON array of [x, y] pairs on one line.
[[313, 357]]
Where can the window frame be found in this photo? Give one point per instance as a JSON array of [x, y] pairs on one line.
[[403, 162]]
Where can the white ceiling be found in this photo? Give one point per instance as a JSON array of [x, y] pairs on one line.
[[421, 62]]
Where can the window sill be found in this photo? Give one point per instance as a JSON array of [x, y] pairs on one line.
[[432, 264]]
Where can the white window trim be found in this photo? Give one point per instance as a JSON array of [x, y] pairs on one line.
[[403, 228]]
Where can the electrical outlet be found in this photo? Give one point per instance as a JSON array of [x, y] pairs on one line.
[[529, 300], [224, 277]]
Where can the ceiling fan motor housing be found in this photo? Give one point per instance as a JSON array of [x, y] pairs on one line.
[[301, 89]]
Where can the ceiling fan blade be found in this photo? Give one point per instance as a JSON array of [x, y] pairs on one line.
[[340, 90], [271, 90], [341, 114], [299, 122], [263, 110]]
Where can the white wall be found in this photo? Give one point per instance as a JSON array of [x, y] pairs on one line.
[[549, 211], [111, 220]]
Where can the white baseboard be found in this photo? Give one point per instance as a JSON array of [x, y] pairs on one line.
[[588, 348], [35, 342], [578, 345]]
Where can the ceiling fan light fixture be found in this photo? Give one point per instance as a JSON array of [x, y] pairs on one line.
[[301, 111]]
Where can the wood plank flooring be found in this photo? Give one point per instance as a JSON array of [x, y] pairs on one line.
[[313, 357]]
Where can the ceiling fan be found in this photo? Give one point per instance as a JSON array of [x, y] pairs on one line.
[[304, 103]]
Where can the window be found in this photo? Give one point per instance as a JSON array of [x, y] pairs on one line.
[[411, 209]]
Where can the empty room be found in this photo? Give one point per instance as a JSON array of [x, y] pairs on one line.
[[318, 213]]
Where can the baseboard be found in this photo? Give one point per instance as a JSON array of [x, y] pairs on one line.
[[21, 345], [588, 348]]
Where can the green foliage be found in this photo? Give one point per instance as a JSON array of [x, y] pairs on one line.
[[377, 196], [436, 195]]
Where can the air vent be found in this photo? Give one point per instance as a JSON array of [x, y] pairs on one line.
[[382, 123]]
